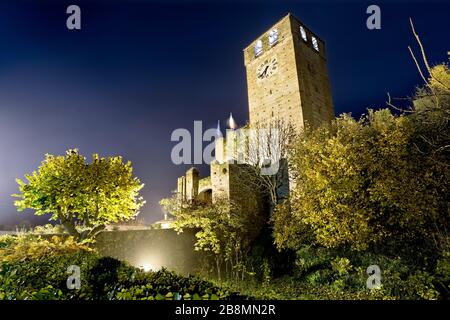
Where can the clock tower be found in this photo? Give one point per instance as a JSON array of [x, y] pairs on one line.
[[287, 76]]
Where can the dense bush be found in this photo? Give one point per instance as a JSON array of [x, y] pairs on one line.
[[323, 273], [373, 191], [49, 229], [29, 247], [39, 271], [382, 178], [344, 271]]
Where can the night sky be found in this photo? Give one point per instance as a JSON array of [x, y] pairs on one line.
[[137, 70]]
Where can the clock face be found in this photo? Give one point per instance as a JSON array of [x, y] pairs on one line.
[[267, 68]]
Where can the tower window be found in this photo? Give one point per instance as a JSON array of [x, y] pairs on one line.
[[315, 43], [303, 33], [258, 48], [273, 37]]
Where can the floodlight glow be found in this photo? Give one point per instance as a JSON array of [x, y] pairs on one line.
[[147, 267]]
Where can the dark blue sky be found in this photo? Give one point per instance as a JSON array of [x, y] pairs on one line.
[[140, 69]]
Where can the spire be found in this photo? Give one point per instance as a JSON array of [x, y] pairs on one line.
[[231, 122], [219, 132]]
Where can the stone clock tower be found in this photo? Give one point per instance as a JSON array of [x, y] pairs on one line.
[[287, 79], [287, 76]]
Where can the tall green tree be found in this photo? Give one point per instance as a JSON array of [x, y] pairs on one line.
[[385, 176], [84, 197]]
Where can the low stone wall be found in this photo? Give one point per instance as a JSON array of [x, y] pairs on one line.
[[152, 249]]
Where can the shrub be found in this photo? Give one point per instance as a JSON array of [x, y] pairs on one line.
[[49, 229], [44, 278], [341, 266], [38, 270], [167, 285], [28, 246], [419, 285], [341, 274]]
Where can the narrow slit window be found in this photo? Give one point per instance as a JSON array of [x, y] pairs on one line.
[[303, 33], [315, 43]]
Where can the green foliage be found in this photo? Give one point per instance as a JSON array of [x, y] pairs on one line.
[[341, 266], [223, 229], [361, 183], [420, 285], [212, 221], [324, 273], [353, 183], [374, 191], [344, 271], [267, 273], [104, 276], [310, 259], [49, 229], [442, 274], [84, 197], [44, 276], [166, 285], [28, 247], [6, 241]]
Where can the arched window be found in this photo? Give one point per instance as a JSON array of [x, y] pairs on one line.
[[315, 43], [258, 48], [273, 37], [303, 33]]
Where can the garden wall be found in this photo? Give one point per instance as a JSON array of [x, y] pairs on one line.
[[153, 249]]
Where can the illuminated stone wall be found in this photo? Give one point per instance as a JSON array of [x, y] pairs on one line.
[[153, 248]]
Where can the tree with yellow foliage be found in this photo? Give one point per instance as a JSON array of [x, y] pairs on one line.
[[385, 176], [84, 197]]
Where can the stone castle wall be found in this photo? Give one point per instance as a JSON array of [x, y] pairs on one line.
[[154, 248]]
